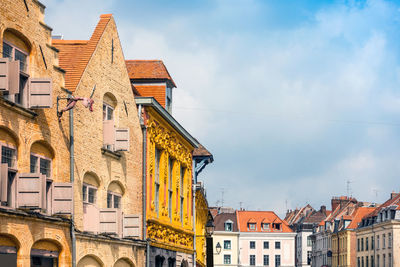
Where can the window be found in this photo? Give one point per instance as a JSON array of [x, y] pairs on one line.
[[170, 168], [227, 259], [362, 244], [181, 191], [8, 156], [389, 240], [265, 226], [108, 112], [108, 127], [227, 244], [309, 256], [366, 243], [168, 103], [377, 260], [251, 226], [384, 260], [362, 261], [383, 241], [44, 166], [372, 242], [277, 245], [390, 260], [358, 262], [14, 53], [276, 226], [113, 200], [89, 194], [228, 226], [309, 241], [372, 261], [366, 261], [266, 245], [252, 244], [252, 260], [277, 260], [266, 260], [157, 179], [377, 242]]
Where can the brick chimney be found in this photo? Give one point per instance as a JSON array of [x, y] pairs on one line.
[[323, 209]]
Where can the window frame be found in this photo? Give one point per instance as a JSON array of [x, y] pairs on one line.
[[14, 167], [113, 196], [170, 188], [252, 244], [85, 200], [12, 170], [227, 244], [252, 261], [277, 244], [266, 260], [230, 224], [38, 164], [266, 245], [227, 259], [106, 111]]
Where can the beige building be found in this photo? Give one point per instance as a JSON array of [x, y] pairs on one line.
[[35, 193], [107, 150], [378, 235]]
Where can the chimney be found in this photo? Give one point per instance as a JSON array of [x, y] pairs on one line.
[[323, 209], [335, 203]]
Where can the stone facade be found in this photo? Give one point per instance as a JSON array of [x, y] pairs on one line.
[[30, 132]]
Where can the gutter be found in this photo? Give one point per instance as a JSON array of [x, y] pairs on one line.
[[72, 178], [144, 197]]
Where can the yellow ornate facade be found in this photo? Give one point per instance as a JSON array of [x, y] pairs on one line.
[[169, 185], [201, 221]]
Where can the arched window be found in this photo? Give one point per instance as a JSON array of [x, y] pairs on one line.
[[89, 188], [91, 261], [123, 263], [41, 158], [44, 253], [114, 195], [8, 146], [8, 250]]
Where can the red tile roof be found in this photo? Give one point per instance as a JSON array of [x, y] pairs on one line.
[[244, 217], [75, 55], [148, 70], [359, 214]]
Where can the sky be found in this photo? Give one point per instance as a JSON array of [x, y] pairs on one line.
[[298, 101]]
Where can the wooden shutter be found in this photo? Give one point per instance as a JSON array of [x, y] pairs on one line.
[[13, 77], [3, 182], [108, 132], [40, 93], [4, 74], [62, 198], [131, 226], [110, 221], [90, 218], [30, 190], [121, 139]]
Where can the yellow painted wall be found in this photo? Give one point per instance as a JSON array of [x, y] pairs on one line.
[[201, 220]]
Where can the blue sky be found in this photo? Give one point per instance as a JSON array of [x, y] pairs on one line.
[[293, 98]]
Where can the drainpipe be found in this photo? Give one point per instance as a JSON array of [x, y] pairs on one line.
[[71, 171], [144, 189], [194, 214]]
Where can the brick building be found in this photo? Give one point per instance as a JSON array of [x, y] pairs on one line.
[[36, 196], [107, 152]]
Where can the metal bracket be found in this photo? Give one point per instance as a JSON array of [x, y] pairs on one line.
[[61, 98]]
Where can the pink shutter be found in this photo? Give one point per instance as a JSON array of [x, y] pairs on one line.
[[4, 74], [30, 190], [110, 221], [131, 225], [13, 77], [62, 198], [121, 139], [91, 218], [108, 132], [3, 182], [40, 93]]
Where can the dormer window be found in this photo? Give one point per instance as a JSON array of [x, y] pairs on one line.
[[277, 226], [228, 226], [251, 226], [265, 226]]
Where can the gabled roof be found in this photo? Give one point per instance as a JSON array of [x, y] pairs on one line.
[[393, 200], [244, 217], [75, 55], [148, 70], [220, 219], [360, 213]]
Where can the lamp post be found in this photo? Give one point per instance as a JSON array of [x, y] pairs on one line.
[[209, 242], [218, 248]]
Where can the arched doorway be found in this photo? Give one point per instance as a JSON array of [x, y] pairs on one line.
[[8, 250], [123, 263], [159, 261], [44, 253], [90, 261]]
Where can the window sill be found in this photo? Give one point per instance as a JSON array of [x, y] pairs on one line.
[[110, 153], [18, 108]]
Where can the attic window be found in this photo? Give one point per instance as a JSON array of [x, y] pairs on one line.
[[228, 226], [251, 226], [265, 226], [276, 226]]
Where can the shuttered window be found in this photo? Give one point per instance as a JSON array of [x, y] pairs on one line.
[[62, 198], [40, 93], [121, 139], [131, 226], [4, 74]]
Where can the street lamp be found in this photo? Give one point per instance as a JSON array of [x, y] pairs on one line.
[[210, 227], [218, 248]]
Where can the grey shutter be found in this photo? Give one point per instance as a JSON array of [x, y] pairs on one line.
[[121, 139], [90, 218], [110, 221], [108, 132], [40, 93], [13, 77], [4, 74], [30, 190], [131, 225], [3, 182], [62, 198]]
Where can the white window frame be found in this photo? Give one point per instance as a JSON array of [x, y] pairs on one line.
[[37, 167], [85, 200], [105, 115], [13, 169], [231, 226], [113, 196], [227, 259], [229, 247], [265, 226], [250, 226]]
